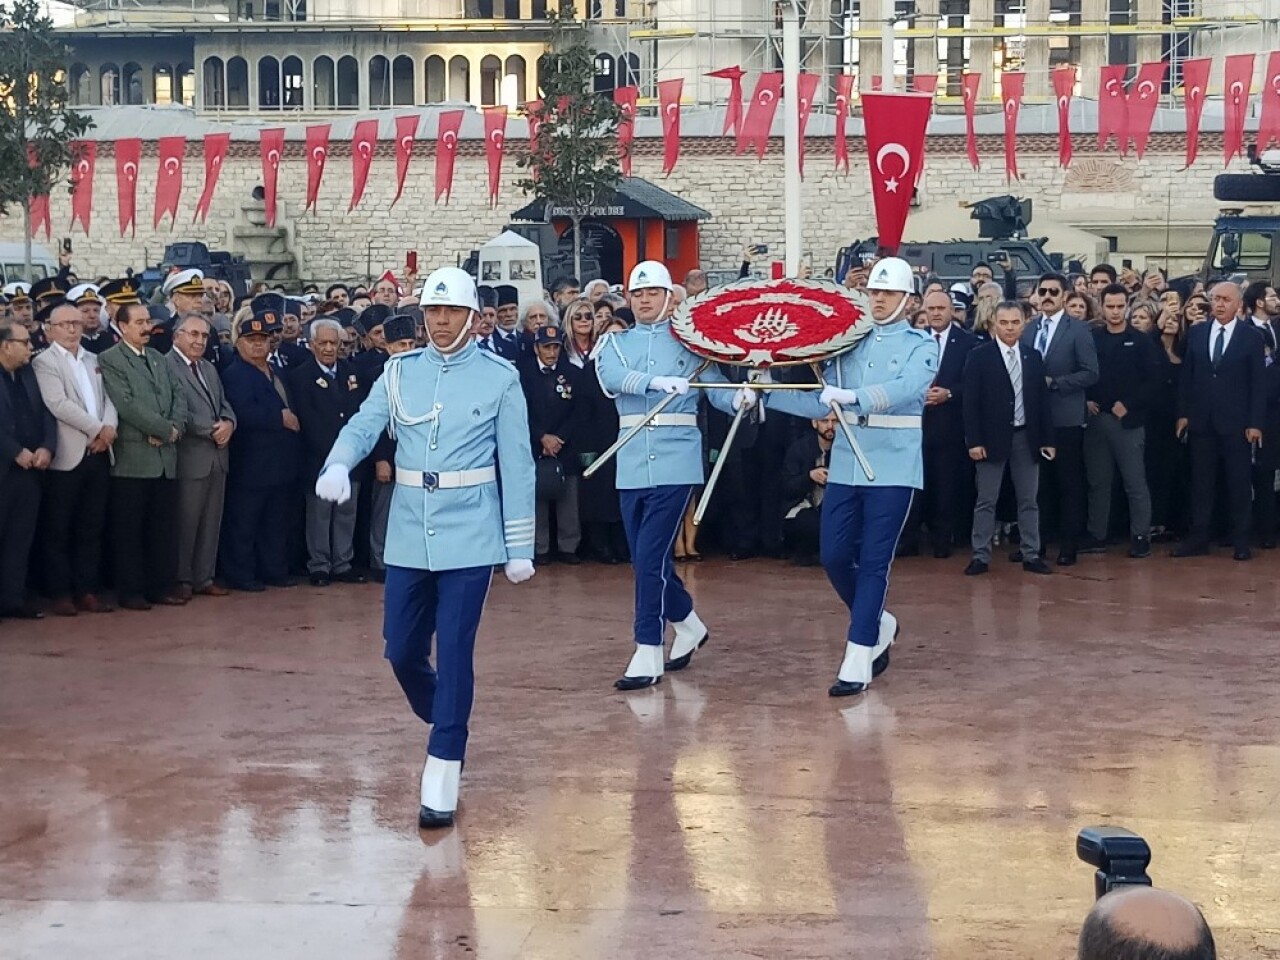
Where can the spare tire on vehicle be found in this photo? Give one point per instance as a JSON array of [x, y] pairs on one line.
[[1247, 187]]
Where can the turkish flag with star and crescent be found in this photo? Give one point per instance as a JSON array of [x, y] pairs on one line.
[[895, 130], [625, 98], [971, 82], [1235, 102], [495, 142], [1195, 81], [755, 129], [733, 107], [173, 151], [363, 144], [1012, 84], [844, 93], [317, 155], [669, 92], [1144, 97], [1113, 108], [406, 133], [808, 90], [448, 125], [39, 206], [1269, 122], [1064, 86], [215, 151], [271, 146], [84, 160], [128, 156]]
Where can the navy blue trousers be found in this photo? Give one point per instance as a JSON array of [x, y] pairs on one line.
[[652, 518], [860, 530], [446, 605]]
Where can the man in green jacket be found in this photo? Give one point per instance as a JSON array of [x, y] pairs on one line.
[[152, 411]]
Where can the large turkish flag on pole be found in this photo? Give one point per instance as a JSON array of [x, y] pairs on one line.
[[844, 93], [1144, 98], [406, 133], [173, 151], [971, 83], [669, 100], [733, 109], [759, 120], [1113, 107], [1064, 85], [495, 144], [895, 131], [1235, 100], [215, 151], [1195, 81], [84, 161], [128, 156], [1011, 87], [317, 154]]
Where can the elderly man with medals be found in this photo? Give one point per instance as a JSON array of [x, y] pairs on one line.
[[458, 417]]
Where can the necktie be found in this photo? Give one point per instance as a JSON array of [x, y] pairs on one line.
[[937, 338], [1014, 367], [1042, 336], [485, 344], [1219, 344]]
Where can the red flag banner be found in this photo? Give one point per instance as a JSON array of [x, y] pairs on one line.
[[844, 93], [755, 128], [40, 215], [1195, 81], [669, 99], [447, 128], [84, 160], [1235, 102], [406, 133], [1011, 87], [971, 83], [1064, 86], [925, 83], [1269, 122], [1113, 108], [317, 155], [363, 144], [808, 90], [625, 98], [215, 152], [495, 141], [1144, 98], [128, 156], [733, 109], [895, 129], [173, 151], [271, 146]]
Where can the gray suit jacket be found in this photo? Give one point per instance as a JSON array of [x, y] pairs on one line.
[[76, 428], [198, 455], [1071, 367]]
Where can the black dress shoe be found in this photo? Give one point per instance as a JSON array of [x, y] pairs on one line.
[[880, 664], [1067, 558], [1140, 548], [247, 586], [319, 580], [1268, 543], [679, 663], [845, 688], [1015, 556], [572, 559], [976, 568], [378, 576], [134, 603], [1242, 553], [285, 582], [635, 683], [1036, 566], [941, 553], [24, 612], [1093, 545], [429, 819], [1189, 549], [738, 555], [909, 551], [350, 576]]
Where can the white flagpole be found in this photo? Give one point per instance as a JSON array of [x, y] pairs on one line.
[[791, 135]]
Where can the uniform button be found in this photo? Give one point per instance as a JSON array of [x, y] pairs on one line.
[[431, 533], [652, 457], [878, 339], [444, 369], [433, 446], [652, 362], [870, 364]]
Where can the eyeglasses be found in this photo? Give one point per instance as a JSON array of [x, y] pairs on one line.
[[584, 316], [1049, 291], [64, 323], [26, 340]]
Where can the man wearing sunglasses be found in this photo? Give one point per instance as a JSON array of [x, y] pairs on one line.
[[1071, 367]]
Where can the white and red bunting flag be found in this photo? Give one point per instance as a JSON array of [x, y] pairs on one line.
[[1195, 81], [448, 124], [1238, 84], [128, 157], [1064, 86], [495, 145], [1012, 83], [364, 142], [1144, 98], [758, 122], [1113, 107], [669, 93], [215, 152], [895, 130], [317, 156], [84, 161], [971, 82], [173, 151], [406, 134], [844, 93]]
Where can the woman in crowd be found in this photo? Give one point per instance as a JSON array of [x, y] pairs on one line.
[[984, 309], [1081, 306], [1166, 455], [1197, 309], [603, 314], [1142, 314], [1078, 283]]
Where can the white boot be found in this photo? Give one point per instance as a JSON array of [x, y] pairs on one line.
[[644, 670], [440, 781], [691, 633], [855, 671]]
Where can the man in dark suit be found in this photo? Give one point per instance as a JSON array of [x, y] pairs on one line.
[[1221, 410], [1262, 307], [1007, 420], [549, 381], [326, 392], [1071, 368], [28, 439], [804, 481], [508, 338], [947, 469], [204, 457]]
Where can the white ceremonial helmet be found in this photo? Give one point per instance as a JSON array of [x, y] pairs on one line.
[[450, 287], [648, 274], [892, 273]]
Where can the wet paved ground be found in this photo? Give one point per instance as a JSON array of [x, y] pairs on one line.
[[238, 778]]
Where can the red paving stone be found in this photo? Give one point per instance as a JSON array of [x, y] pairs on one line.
[[238, 778]]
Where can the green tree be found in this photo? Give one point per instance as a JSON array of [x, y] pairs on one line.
[[573, 158], [36, 128]]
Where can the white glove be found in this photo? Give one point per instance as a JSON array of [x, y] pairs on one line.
[[670, 385], [830, 395], [518, 571], [744, 398], [334, 484]]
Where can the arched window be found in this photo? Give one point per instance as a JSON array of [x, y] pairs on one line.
[[291, 83], [402, 81], [437, 90], [132, 86], [109, 79], [606, 74], [185, 91], [513, 81], [268, 84], [323, 88], [460, 79], [81, 87], [215, 83], [490, 78], [379, 82], [348, 83], [162, 82], [238, 83], [628, 70]]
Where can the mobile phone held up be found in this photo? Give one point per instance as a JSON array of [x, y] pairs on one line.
[[411, 262]]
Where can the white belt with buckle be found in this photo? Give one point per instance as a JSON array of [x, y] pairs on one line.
[[661, 420], [883, 421], [446, 479]]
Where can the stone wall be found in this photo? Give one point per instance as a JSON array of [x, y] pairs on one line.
[[1101, 192]]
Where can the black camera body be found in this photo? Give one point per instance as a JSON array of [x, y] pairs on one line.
[[1120, 855]]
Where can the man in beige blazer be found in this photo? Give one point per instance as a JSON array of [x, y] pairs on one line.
[[203, 457], [79, 478]]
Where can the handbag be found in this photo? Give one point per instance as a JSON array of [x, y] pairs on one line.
[[549, 479]]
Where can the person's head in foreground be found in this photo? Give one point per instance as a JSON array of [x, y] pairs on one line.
[[1142, 923]]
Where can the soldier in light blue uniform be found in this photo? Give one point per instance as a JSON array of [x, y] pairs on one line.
[[658, 469], [880, 385], [458, 417]]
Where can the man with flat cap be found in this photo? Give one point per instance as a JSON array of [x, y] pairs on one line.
[[550, 385], [510, 344]]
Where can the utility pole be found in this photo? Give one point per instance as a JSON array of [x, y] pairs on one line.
[[791, 135], [888, 12]]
